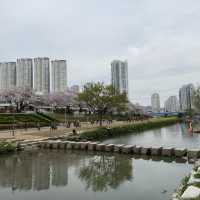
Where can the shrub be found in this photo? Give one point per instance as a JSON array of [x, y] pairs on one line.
[[6, 147], [103, 132]]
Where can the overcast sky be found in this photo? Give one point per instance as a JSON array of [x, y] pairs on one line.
[[160, 39]]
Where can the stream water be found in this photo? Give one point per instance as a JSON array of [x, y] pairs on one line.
[[61, 175]]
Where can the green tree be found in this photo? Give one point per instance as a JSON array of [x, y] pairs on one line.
[[101, 99], [196, 98]]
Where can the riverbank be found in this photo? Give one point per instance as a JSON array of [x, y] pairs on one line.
[[105, 132], [7, 147], [190, 185]]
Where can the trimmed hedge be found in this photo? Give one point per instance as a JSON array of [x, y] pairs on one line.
[[47, 117], [103, 132], [23, 119]]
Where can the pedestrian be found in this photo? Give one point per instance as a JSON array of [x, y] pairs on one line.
[[38, 126]]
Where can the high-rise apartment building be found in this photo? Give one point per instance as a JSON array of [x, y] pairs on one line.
[[41, 82], [58, 75], [7, 75], [24, 73], [185, 97], [119, 75], [155, 102], [171, 104]]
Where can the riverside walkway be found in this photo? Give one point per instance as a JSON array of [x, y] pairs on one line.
[[45, 132]]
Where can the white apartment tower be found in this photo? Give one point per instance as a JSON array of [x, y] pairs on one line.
[[24, 73], [119, 75], [155, 102], [41, 77], [58, 75], [185, 97], [7, 75], [171, 104]]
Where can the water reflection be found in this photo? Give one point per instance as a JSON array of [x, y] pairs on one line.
[[103, 172], [176, 135], [36, 171], [60, 175], [41, 170]]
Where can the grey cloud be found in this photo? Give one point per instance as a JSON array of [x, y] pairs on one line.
[[160, 39]]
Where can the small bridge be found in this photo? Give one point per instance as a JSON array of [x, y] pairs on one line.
[[163, 114]]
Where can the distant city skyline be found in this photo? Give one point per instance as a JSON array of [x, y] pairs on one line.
[[45, 75]]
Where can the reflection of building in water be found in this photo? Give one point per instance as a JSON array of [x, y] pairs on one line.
[[38, 170], [7, 171], [59, 173], [41, 173], [173, 129], [16, 172], [23, 173], [184, 129], [157, 132]]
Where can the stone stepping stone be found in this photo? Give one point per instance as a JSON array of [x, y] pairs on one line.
[[100, 147], [146, 151], [127, 149], [191, 193], [180, 152], [84, 145], [118, 148], [156, 151], [92, 146], [109, 147], [137, 150], [169, 151], [193, 153]]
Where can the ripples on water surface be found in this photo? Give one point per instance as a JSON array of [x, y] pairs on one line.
[[59, 175]]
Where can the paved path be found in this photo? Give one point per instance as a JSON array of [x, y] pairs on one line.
[[45, 132]]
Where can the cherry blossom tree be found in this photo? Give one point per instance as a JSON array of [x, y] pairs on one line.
[[21, 97]]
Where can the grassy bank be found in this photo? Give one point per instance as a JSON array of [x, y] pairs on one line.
[[6, 147], [103, 132]]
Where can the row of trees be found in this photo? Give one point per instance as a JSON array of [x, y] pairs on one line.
[[98, 98], [25, 97]]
